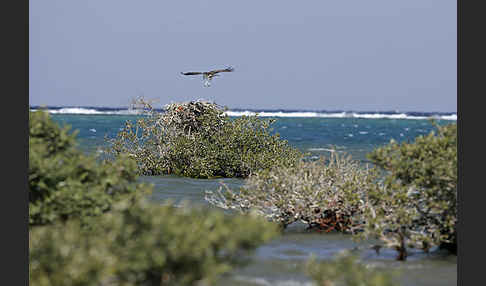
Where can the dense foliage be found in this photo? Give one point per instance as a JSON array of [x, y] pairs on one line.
[[63, 254], [196, 139], [65, 183], [129, 241], [346, 270], [326, 194], [417, 205], [412, 205], [145, 244]]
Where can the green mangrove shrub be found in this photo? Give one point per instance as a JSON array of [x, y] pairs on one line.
[[417, 205], [145, 244], [329, 195], [346, 270], [65, 183], [65, 254], [196, 139]]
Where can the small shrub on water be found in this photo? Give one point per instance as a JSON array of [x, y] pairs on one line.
[[417, 206], [196, 139], [328, 195]]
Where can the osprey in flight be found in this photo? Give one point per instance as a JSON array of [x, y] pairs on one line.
[[208, 76]]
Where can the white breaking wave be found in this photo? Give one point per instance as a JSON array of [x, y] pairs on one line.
[[275, 114], [309, 114], [75, 110], [449, 117], [91, 111], [389, 116], [338, 115], [321, 149]]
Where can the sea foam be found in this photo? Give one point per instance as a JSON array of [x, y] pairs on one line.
[[264, 113]]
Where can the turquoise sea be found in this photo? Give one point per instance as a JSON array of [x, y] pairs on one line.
[[316, 132]]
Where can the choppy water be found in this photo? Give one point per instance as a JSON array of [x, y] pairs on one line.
[[317, 135], [280, 261]]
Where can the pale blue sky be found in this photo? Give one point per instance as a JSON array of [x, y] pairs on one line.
[[362, 55]]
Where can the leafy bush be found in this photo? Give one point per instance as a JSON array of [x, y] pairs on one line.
[[346, 270], [64, 183], [64, 254], [145, 244], [133, 242], [329, 195], [417, 206], [196, 139]]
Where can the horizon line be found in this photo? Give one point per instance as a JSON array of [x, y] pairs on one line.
[[250, 109]]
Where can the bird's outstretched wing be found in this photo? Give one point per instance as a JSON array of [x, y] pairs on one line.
[[191, 73], [229, 69]]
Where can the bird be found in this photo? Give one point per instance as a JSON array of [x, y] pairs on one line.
[[208, 76]]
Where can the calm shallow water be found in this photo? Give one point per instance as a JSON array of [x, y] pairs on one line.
[[279, 262]]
